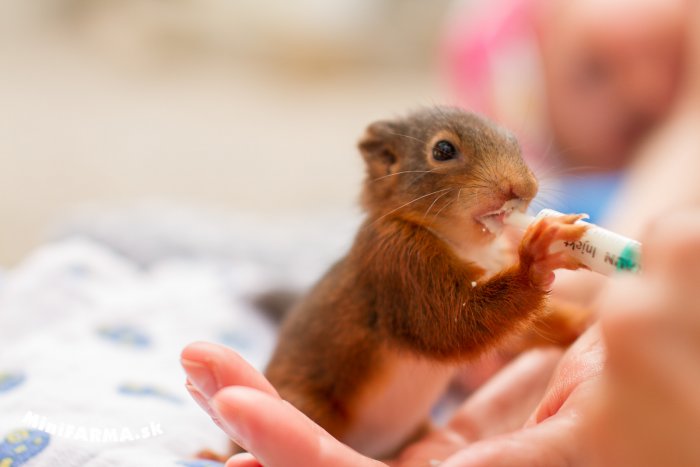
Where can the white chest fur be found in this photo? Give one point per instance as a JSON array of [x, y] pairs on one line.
[[396, 405], [493, 257]]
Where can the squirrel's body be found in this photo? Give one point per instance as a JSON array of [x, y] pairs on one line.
[[381, 338], [373, 345]]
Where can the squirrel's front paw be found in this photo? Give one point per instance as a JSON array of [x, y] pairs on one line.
[[535, 256]]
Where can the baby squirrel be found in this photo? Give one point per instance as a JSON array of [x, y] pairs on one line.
[[423, 288]]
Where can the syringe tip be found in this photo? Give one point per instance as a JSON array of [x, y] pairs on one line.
[[519, 220]]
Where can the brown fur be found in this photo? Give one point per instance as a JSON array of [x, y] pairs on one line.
[[404, 287]]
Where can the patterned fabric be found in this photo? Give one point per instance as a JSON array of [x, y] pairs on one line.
[[21, 445], [90, 373]]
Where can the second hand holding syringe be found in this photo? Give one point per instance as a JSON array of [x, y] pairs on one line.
[[598, 249]]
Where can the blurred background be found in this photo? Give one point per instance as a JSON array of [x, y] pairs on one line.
[[248, 106], [254, 108]]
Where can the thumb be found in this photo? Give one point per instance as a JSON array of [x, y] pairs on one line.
[[277, 434]]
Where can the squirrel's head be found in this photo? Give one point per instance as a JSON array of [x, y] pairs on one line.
[[444, 168]]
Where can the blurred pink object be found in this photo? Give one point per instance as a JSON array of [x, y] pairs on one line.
[[473, 39], [490, 58]]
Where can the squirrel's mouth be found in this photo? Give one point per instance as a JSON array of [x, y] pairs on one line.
[[493, 221]]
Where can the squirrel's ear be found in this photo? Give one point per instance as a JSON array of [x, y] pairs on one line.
[[377, 148]]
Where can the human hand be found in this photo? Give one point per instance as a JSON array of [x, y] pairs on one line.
[[249, 410], [642, 409], [626, 392], [649, 408]]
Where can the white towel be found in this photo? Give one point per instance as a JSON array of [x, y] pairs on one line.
[[90, 355]]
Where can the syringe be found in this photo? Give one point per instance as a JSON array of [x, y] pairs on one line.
[[599, 249]]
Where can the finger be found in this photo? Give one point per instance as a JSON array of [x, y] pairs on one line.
[[504, 403], [581, 364], [649, 329], [672, 246], [244, 459], [541, 445], [652, 334], [630, 308], [277, 434], [560, 440], [201, 401], [211, 367]]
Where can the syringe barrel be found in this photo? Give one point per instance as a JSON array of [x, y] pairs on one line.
[[599, 249]]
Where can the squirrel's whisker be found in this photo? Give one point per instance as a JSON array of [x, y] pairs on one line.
[[433, 204], [411, 202]]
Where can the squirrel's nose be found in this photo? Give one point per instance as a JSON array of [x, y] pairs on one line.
[[522, 189]]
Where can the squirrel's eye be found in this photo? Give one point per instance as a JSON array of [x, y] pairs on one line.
[[444, 151]]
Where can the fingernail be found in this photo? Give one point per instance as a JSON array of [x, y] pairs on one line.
[[201, 377], [236, 432], [198, 398]]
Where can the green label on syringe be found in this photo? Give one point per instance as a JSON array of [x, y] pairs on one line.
[[628, 259]]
